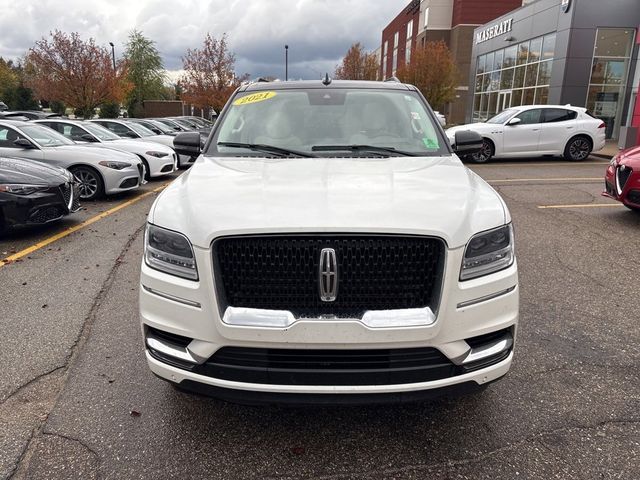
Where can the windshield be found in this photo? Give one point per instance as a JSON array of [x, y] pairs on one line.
[[503, 116], [327, 121], [169, 123], [45, 136], [140, 130], [160, 126], [100, 132]]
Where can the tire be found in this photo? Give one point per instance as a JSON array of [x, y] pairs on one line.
[[578, 149], [91, 184], [633, 209], [147, 174], [485, 153]]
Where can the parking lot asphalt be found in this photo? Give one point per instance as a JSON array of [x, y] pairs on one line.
[[78, 401]]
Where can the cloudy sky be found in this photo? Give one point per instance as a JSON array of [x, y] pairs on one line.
[[318, 32]]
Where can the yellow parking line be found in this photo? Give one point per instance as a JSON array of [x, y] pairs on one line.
[[75, 228], [586, 205], [562, 179]]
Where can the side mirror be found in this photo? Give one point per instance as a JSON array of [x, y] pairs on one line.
[[23, 143], [187, 143], [130, 134], [514, 121], [467, 142], [87, 137]]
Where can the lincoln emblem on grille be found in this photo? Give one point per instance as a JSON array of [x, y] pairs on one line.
[[328, 275]]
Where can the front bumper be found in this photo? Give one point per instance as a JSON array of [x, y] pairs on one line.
[[623, 188], [38, 208], [116, 181], [467, 310], [159, 167]]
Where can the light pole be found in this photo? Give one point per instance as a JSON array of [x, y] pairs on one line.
[[286, 63], [113, 55]]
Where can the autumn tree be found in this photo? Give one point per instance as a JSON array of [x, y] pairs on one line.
[[145, 72], [75, 72], [209, 74], [433, 70], [357, 64]]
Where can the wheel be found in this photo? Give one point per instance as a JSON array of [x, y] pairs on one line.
[[91, 184], [578, 149], [485, 153]]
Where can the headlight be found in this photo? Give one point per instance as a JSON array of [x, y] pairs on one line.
[[169, 252], [115, 165], [488, 252], [157, 154], [21, 188], [614, 161]]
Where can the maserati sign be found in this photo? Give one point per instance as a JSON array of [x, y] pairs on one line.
[[494, 31]]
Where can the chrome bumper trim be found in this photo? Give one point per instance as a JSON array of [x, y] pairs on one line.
[[254, 317], [489, 349], [168, 296], [486, 298], [170, 349]]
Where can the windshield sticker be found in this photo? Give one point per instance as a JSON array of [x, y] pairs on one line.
[[415, 115], [430, 143], [255, 98]]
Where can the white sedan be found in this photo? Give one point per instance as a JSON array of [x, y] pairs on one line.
[[535, 130], [158, 159]]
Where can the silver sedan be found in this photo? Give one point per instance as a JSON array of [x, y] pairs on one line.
[[98, 170]]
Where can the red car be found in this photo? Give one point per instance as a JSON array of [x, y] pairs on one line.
[[622, 180]]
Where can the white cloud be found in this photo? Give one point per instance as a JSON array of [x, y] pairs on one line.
[[318, 32]]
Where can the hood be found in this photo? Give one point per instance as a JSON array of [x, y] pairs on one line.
[[630, 157], [15, 170], [163, 139], [411, 195], [476, 127], [87, 153], [139, 147]]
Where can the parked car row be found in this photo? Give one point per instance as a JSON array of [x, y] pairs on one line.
[[49, 163]]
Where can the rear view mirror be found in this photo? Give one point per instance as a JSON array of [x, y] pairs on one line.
[[467, 142], [23, 143], [514, 121], [187, 143]]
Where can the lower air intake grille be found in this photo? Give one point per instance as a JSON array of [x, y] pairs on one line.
[[375, 272]]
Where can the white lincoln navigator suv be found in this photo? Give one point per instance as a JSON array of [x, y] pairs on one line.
[[328, 246]]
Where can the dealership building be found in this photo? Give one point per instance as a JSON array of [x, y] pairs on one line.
[[578, 52]]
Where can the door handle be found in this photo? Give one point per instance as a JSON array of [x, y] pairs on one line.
[[569, 128], [535, 129]]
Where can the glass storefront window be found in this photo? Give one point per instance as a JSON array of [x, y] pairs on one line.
[[497, 63], [531, 77], [544, 73], [516, 75], [510, 56], [549, 46], [506, 82], [542, 95], [609, 70], [489, 62], [481, 63], [523, 53], [535, 48], [614, 42]]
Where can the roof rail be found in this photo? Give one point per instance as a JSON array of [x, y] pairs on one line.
[[392, 79]]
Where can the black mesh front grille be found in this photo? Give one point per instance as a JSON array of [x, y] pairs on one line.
[[623, 176], [375, 272], [328, 367], [66, 189], [45, 214]]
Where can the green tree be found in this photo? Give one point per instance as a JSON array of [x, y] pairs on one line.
[[146, 72], [8, 79], [58, 107], [109, 110]]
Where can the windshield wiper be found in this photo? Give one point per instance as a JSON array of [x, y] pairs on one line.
[[266, 148], [362, 148]]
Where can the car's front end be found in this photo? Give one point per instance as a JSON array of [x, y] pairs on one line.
[[342, 278], [622, 178], [32, 193]]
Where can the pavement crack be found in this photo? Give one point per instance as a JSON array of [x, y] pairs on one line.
[[24, 386], [74, 351], [75, 440]]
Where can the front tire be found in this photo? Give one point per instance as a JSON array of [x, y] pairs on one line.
[[578, 149], [91, 185], [486, 152]]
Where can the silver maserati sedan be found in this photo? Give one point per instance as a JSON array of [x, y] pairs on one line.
[[99, 171]]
